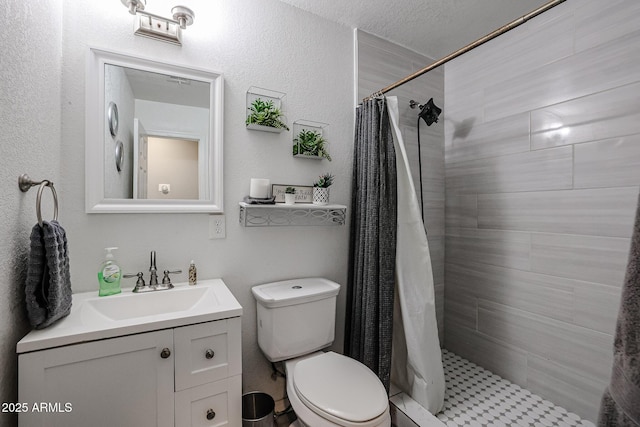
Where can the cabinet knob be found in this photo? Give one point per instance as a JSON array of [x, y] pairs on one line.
[[211, 414], [209, 354], [165, 353]]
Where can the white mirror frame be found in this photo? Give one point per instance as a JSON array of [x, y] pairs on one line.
[[95, 122]]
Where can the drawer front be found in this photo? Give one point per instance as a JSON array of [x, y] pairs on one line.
[[214, 404], [207, 352]]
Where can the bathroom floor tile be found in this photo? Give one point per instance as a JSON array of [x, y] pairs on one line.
[[477, 397]]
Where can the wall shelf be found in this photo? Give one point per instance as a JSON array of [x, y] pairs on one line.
[[278, 215]]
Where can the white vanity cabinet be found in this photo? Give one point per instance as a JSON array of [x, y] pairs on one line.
[[184, 376]]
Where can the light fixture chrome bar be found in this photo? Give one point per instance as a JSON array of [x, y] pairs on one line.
[[157, 27]]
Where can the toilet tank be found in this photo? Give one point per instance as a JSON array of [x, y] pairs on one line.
[[295, 317]]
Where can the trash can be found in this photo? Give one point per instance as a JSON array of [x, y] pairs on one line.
[[257, 410]]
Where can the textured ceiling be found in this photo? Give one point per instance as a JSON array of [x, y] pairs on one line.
[[431, 27]]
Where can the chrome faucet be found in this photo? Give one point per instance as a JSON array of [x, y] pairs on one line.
[[153, 281]]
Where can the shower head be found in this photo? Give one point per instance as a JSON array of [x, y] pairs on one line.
[[429, 112]]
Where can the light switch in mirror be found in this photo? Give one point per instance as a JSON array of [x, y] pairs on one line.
[[170, 127]]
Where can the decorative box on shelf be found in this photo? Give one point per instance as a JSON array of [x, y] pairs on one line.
[[264, 110], [308, 141], [279, 214]]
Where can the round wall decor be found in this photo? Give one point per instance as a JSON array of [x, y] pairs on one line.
[[112, 117]]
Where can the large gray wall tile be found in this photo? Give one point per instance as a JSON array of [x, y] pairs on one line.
[[461, 210], [536, 170], [495, 247], [529, 47], [564, 386], [461, 309], [596, 24], [536, 293], [497, 356], [609, 163], [436, 248], [614, 112], [463, 110], [593, 259], [587, 351], [597, 212], [601, 68], [596, 306], [497, 138]]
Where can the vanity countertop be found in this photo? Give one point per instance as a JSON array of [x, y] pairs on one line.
[[94, 318]]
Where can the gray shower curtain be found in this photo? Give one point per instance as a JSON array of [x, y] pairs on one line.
[[372, 252]]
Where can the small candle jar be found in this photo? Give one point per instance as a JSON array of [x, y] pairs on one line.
[[259, 188]]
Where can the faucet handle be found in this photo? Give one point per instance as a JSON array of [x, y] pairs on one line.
[[139, 283], [166, 280]]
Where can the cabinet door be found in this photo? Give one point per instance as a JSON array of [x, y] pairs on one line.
[[207, 352], [122, 382], [215, 404]]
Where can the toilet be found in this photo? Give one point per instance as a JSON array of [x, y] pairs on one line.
[[296, 320]]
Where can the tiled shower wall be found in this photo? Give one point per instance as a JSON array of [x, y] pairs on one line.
[[380, 63], [542, 154]]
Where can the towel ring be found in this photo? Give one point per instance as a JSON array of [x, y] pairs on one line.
[[25, 183]]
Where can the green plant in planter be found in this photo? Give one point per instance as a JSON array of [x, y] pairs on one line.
[[324, 181], [266, 114], [290, 190], [310, 143]]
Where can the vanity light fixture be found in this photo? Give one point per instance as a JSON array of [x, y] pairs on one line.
[[157, 27]]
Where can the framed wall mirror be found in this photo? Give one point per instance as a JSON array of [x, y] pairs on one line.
[[165, 154]]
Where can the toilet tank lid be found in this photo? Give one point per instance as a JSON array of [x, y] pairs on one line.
[[295, 291]]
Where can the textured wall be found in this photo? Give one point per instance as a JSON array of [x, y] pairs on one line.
[[380, 63], [29, 143], [542, 149], [266, 44]]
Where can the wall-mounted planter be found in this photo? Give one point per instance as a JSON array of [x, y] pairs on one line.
[[308, 141], [264, 110]]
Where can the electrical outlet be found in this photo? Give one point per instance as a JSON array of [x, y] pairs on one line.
[[217, 227]]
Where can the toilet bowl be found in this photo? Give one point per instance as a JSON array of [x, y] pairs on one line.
[[296, 319], [329, 390]]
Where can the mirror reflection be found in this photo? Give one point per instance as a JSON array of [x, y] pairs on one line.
[[163, 124]]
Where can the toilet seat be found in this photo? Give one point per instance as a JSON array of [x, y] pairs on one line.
[[340, 390]]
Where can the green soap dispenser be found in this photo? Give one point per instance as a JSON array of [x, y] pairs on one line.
[[109, 275]]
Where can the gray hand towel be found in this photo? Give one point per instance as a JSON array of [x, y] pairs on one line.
[[48, 286], [620, 405]]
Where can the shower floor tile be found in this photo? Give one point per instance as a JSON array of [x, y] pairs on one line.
[[476, 397]]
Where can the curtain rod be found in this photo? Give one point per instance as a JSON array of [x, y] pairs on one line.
[[510, 26]]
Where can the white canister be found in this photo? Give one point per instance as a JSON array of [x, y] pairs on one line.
[[259, 188]]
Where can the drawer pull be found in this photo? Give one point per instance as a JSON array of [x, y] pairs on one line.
[[211, 414], [165, 353], [209, 354]]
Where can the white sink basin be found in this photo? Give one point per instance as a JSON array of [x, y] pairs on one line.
[[130, 306], [93, 317]]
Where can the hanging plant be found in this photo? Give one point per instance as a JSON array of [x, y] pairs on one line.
[[264, 113], [310, 143]]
